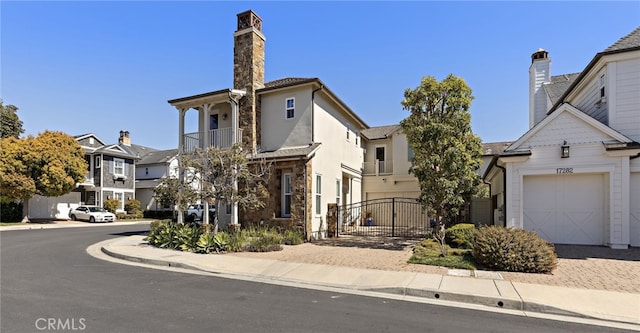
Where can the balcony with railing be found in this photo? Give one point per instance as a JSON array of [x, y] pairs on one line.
[[218, 138], [377, 168]]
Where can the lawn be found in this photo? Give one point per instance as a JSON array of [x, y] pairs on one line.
[[427, 252]]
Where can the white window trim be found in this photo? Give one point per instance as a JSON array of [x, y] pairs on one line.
[[122, 199], [287, 108], [318, 194], [115, 167], [284, 194]]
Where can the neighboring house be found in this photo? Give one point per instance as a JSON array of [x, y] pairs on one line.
[[309, 134], [110, 175], [386, 171], [387, 163], [574, 177], [153, 167]]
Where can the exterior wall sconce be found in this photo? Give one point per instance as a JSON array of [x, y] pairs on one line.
[[224, 116], [565, 150]]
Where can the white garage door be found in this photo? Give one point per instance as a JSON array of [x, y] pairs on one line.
[[565, 209], [634, 221]]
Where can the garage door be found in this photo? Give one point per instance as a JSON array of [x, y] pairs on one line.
[[634, 221], [565, 209]]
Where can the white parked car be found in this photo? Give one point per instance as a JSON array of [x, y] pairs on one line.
[[91, 214], [195, 211]]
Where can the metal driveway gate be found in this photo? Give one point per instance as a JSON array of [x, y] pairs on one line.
[[388, 217]]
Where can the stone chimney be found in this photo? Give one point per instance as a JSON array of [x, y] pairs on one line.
[[248, 74], [539, 73], [124, 138]]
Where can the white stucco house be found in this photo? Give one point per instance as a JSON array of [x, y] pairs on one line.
[[309, 134], [574, 177]]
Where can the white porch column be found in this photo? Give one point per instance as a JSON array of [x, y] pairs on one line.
[[206, 109], [181, 115]]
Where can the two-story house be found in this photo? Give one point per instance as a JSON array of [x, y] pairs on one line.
[[311, 137], [152, 168], [110, 175], [574, 177]]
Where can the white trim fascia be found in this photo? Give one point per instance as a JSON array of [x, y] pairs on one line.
[[622, 152], [566, 107], [602, 62]]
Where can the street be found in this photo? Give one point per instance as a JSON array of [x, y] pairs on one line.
[[50, 283]]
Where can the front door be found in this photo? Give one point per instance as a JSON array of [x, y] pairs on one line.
[[213, 130]]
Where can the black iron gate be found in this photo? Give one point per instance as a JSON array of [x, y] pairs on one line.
[[388, 217]]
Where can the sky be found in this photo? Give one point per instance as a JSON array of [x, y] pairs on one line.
[[101, 67]]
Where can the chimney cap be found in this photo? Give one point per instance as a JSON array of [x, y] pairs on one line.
[[539, 54], [249, 19]]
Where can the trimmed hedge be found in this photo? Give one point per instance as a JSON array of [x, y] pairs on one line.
[[513, 250], [461, 235]]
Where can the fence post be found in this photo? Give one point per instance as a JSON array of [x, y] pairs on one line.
[[393, 217], [332, 220]]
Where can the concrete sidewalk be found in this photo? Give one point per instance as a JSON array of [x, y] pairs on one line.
[[483, 289]]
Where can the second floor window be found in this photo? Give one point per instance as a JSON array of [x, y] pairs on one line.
[[602, 84], [290, 108], [118, 167]]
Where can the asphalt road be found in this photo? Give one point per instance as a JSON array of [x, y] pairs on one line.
[[50, 284]]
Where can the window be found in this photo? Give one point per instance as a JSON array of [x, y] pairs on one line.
[[118, 167], [286, 194], [97, 162], [318, 194], [290, 107], [338, 191], [227, 209], [410, 153], [120, 197], [347, 133], [602, 84]]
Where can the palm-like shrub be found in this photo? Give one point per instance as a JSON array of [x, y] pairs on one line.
[[513, 250]]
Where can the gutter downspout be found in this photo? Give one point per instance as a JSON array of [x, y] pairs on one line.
[[313, 96], [504, 199]]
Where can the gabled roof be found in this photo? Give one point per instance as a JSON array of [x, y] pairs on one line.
[[140, 151], [495, 148], [158, 156], [558, 84], [298, 81], [628, 43], [118, 150], [566, 107], [379, 132], [86, 135]]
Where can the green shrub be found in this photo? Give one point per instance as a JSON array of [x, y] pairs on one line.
[[132, 206], [10, 211], [461, 235], [112, 205], [162, 234], [208, 242], [293, 237], [265, 240], [188, 237], [237, 241], [428, 252], [513, 250]]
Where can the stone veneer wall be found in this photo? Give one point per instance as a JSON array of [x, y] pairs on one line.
[[271, 213], [248, 69]]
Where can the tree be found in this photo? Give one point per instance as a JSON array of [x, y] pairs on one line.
[[50, 164], [10, 123], [225, 175], [175, 192], [447, 152]]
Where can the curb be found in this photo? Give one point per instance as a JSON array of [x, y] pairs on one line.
[[494, 302]]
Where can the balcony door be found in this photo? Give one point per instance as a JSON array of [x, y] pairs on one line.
[[213, 130], [380, 157]]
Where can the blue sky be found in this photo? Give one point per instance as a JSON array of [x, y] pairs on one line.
[[100, 67]]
